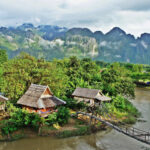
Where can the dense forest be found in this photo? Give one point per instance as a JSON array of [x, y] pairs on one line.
[[63, 76], [115, 80]]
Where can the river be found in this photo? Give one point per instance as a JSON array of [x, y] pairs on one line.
[[110, 140]]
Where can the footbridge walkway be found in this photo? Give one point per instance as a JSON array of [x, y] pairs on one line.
[[132, 132]]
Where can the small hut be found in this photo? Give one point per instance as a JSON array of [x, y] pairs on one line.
[[90, 96], [40, 99], [3, 103]]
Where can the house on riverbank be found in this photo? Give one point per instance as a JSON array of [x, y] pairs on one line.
[[90, 96], [40, 99]]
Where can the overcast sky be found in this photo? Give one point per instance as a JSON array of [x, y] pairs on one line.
[[133, 16]]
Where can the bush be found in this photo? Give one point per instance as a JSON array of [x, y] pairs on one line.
[[70, 103], [20, 118], [9, 127], [52, 119], [73, 104], [80, 131], [130, 120], [63, 115], [120, 107]]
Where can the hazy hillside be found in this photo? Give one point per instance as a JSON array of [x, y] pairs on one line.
[[56, 42]]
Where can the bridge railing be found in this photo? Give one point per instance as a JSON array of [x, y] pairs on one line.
[[133, 132], [138, 133]]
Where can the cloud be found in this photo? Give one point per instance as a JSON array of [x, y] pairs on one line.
[[132, 16], [136, 5]]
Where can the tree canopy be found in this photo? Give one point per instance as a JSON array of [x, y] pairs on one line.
[[62, 76]]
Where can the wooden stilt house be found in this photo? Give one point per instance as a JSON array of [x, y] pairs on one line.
[[90, 96], [40, 99]]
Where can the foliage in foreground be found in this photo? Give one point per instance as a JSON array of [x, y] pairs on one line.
[[122, 108], [20, 118], [61, 116], [63, 76], [78, 132]]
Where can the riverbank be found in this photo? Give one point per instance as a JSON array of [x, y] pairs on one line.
[[75, 127], [20, 122]]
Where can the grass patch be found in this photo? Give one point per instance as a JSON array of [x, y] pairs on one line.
[[130, 120], [83, 130], [48, 128]]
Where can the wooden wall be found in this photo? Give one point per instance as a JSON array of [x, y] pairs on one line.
[[31, 110], [86, 100], [47, 92]]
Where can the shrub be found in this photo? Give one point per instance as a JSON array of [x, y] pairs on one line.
[[80, 131], [73, 104], [63, 115], [20, 118], [52, 119]]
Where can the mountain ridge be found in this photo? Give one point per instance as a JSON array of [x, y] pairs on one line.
[[50, 42]]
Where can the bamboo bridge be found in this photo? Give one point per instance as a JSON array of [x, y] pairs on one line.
[[135, 133], [132, 132]]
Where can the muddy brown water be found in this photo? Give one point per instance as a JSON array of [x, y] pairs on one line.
[[110, 140]]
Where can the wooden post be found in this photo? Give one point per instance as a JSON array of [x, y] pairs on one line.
[[90, 120], [4, 106], [39, 132], [77, 115], [95, 119], [8, 136], [126, 130]]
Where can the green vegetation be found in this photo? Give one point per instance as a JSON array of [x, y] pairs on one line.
[[83, 130], [63, 76], [61, 116], [122, 109], [116, 81], [136, 72], [3, 56], [20, 72], [19, 118]]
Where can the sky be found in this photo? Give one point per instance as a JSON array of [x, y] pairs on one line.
[[133, 16]]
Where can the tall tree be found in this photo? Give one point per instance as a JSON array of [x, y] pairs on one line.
[[20, 72], [115, 81]]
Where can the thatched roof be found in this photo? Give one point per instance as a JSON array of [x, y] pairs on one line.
[[90, 93], [2, 98], [102, 97], [52, 101], [33, 98], [84, 92]]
